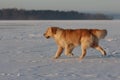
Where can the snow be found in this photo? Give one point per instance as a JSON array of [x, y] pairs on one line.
[[26, 55]]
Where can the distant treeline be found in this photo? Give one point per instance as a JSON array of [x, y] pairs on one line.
[[21, 14]]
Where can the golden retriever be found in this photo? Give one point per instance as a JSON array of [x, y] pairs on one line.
[[68, 39]]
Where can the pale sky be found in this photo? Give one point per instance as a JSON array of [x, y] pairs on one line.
[[100, 6]]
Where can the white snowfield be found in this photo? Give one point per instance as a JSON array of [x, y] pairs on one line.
[[26, 55]]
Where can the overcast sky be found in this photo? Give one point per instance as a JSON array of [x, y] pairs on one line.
[[100, 6]]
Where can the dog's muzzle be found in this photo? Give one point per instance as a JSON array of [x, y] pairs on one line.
[[46, 36]]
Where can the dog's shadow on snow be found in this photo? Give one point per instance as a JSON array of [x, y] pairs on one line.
[[115, 55], [90, 57]]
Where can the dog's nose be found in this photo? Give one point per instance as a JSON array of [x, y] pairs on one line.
[[44, 34]]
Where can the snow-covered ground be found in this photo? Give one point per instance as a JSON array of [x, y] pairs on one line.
[[26, 55]]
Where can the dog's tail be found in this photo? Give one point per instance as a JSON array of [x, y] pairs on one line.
[[100, 34]]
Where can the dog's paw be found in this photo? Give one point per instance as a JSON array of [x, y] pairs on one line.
[[55, 57], [70, 55]]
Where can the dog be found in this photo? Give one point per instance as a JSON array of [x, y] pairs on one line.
[[68, 39]]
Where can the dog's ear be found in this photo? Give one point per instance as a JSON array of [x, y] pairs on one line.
[[54, 30]]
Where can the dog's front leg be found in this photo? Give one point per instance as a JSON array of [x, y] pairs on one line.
[[68, 50], [101, 50], [59, 52], [83, 53]]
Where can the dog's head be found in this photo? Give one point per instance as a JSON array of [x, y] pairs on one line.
[[50, 32]]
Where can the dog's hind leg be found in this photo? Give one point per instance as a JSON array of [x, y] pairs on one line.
[[59, 52]]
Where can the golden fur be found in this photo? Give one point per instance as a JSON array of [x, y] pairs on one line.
[[68, 39]]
